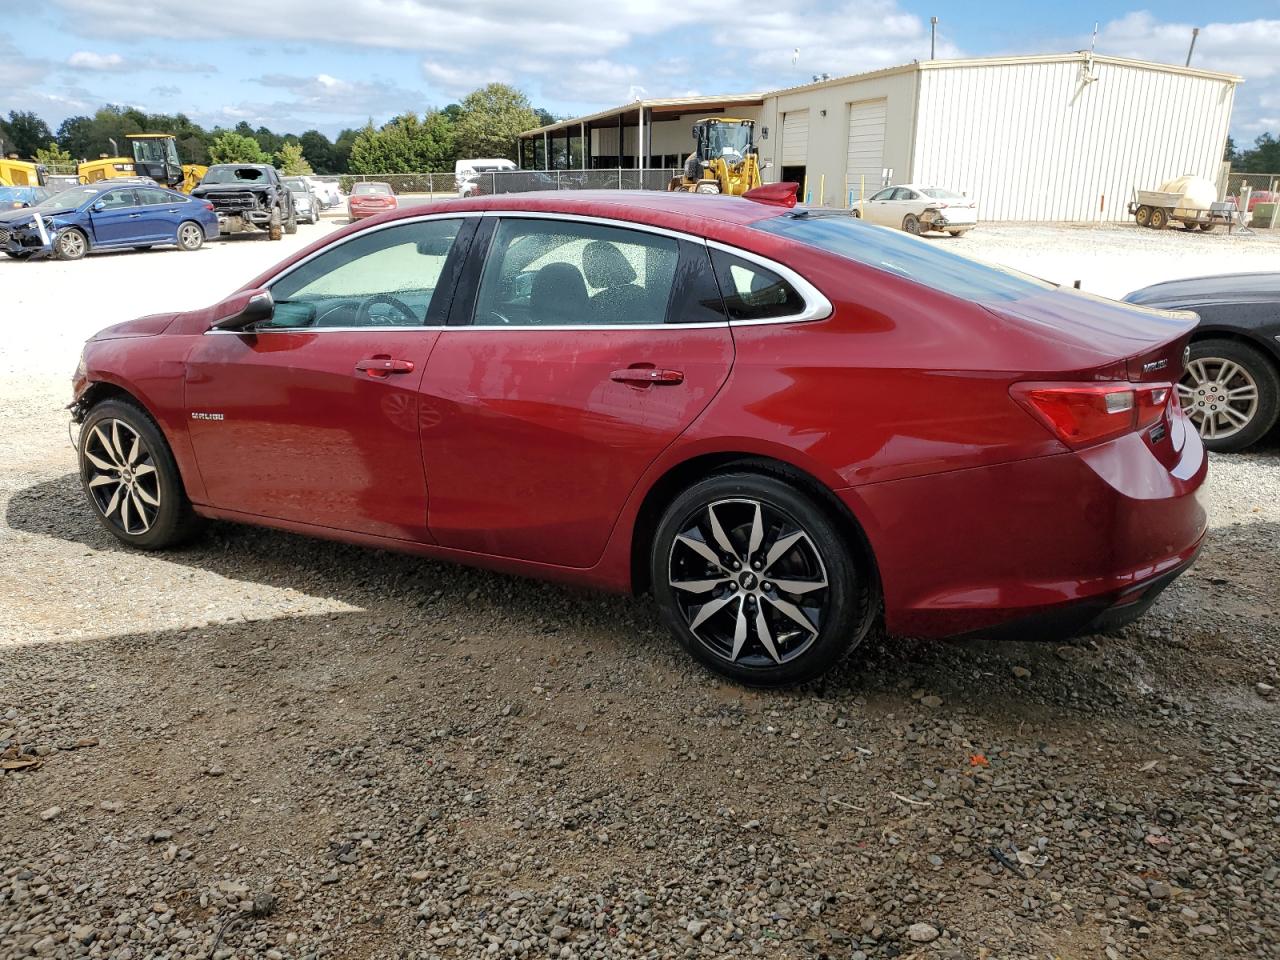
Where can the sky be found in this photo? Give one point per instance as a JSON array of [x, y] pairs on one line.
[[293, 65]]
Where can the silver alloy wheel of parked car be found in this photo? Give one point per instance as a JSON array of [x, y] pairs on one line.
[[1219, 395], [749, 582], [71, 244], [190, 236], [122, 480]]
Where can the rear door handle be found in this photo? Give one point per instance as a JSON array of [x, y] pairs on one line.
[[382, 367], [644, 376], [134, 216]]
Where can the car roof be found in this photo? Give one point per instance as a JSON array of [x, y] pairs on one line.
[[655, 207]]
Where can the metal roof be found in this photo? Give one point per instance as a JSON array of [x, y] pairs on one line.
[[755, 99]]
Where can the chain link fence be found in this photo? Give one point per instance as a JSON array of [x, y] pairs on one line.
[[440, 185], [1263, 191]]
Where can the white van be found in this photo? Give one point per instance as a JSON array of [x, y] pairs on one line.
[[467, 174]]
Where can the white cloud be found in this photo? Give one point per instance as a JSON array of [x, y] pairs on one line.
[[323, 93], [457, 81], [88, 60]]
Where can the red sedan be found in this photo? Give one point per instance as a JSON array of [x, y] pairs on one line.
[[786, 424], [370, 198]]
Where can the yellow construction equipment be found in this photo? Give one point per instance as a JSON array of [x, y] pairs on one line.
[[724, 158], [20, 173], [155, 155]]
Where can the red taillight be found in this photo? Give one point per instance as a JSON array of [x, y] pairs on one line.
[[208, 205], [1081, 414]]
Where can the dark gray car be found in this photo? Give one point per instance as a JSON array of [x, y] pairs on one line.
[[1231, 387]]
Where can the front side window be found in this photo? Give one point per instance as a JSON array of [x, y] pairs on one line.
[[751, 292], [117, 199], [383, 278], [556, 272]]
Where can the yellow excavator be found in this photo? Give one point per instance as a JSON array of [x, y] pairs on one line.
[[724, 158], [20, 173], [155, 155]]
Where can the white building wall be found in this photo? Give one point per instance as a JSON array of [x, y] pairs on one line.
[[1032, 141], [828, 150]]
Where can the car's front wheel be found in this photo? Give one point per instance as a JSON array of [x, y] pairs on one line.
[[130, 477], [190, 236], [70, 244], [1231, 392], [757, 582]]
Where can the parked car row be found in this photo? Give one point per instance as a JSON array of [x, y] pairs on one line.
[[134, 212]]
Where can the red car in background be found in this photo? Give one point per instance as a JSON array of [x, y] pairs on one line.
[[786, 424], [370, 198]]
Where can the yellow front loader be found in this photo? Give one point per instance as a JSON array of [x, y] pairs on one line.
[[724, 159], [155, 155], [20, 173]]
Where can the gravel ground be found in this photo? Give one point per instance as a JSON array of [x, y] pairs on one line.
[[265, 746]]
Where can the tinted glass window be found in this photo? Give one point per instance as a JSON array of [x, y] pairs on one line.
[[919, 260], [553, 272], [115, 199], [751, 292], [884, 194], [380, 278], [902, 193], [153, 195]]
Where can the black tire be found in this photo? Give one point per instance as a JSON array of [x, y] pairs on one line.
[[911, 224], [1207, 227], [70, 244], [190, 236], [729, 641], [855, 213], [19, 254], [291, 225], [106, 438], [1208, 355], [1142, 216], [958, 233], [275, 229]]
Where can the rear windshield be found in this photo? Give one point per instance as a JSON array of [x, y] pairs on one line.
[[916, 259], [361, 188]]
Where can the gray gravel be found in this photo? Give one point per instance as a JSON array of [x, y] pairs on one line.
[[264, 746]]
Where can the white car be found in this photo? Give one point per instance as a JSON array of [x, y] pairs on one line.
[[306, 202], [916, 209], [469, 175], [326, 191]]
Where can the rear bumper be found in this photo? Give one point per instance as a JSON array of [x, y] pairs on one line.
[[1048, 546]]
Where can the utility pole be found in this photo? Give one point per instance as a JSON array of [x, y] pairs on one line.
[[933, 37], [1195, 32]]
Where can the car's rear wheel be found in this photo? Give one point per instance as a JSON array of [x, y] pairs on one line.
[[757, 582], [130, 478], [70, 244], [1231, 392], [958, 233], [190, 236], [911, 224]]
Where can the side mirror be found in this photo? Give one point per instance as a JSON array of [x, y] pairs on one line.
[[99, 207], [244, 310]]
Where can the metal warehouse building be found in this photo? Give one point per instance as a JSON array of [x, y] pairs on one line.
[[1055, 137]]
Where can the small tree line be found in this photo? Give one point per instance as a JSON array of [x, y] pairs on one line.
[[485, 123]]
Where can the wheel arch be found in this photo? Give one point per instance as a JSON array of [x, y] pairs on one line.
[[1267, 349], [680, 476]]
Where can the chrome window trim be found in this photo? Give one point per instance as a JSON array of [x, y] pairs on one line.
[[817, 306]]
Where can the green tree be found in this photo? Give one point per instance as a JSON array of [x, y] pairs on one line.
[[23, 133], [54, 157], [492, 119], [318, 150], [291, 162], [233, 147], [1263, 157], [342, 150]]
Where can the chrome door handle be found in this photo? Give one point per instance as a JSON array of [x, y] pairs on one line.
[[647, 375]]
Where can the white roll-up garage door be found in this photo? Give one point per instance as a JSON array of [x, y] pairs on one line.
[[795, 138], [866, 145]]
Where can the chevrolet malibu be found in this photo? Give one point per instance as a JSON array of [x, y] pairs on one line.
[[786, 424]]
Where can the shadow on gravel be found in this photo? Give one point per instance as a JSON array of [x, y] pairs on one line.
[[1159, 653]]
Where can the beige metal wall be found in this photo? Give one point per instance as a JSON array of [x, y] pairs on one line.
[[1036, 141], [828, 135]]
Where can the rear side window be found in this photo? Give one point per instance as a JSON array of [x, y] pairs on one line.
[[906, 256], [752, 292], [148, 196]]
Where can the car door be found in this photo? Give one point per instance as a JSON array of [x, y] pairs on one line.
[[161, 213], [313, 417], [878, 206], [114, 217], [585, 349]]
